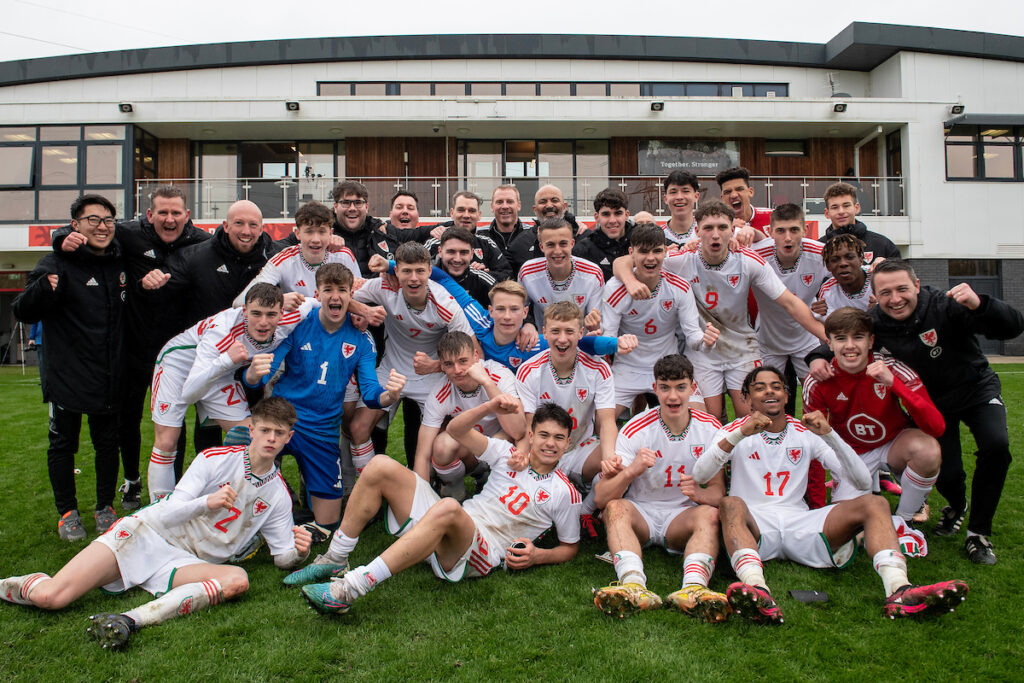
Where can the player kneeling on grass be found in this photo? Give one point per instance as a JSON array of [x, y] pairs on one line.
[[175, 548], [524, 496], [467, 382], [765, 517], [652, 499]]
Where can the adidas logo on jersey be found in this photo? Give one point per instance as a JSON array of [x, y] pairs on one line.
[[604, 261], [542, 300], [545, 396], [222, 269], [754, 456], [149, 253], [306, 347], [633, 311], [91, 282], [300, 283], [842, 397]]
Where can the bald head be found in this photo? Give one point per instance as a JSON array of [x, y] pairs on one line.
[[548, 203], [244, 225]]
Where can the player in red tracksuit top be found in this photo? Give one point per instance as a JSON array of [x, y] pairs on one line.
[[880, 407]]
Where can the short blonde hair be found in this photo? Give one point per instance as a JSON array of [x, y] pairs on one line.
[[508, 287], [563, 311]]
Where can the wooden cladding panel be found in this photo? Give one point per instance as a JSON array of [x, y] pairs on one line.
[[174, 159]]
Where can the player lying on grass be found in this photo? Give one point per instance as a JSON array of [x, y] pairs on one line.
[[652, 500], [520, 501], [175, 548], [764, 517], [198, 366], [466, 383], [319, 357], [880, 407]]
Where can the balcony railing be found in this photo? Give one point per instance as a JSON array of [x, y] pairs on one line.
[[209, 198]]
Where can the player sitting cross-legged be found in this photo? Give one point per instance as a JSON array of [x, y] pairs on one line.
[[520, 501], [765, 517], [652, 500], [467, 382], [175, 548]]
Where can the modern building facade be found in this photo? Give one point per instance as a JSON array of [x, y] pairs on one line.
[[928, 123]]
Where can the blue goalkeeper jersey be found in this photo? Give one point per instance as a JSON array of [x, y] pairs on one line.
[[317, 367], [509, 355]]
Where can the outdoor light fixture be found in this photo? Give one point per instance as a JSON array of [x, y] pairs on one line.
[[657, 106], [956, 109], [291, 106], [839, 107], [125, 108]]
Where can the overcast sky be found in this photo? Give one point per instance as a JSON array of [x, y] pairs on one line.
[[41, 28]]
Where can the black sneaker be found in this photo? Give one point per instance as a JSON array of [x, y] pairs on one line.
[[111, 631], [950, 521], [131, 495], [979, 550]]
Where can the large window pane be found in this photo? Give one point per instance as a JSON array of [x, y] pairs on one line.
[[17, 205], [771, 90], [60, 133], [103, 165], [340, 160], [519, 89], [961, 161], [625, 89], [335, 89], [591, 89], [485, 88], [449, 89], [521, 159], [16, 166], [104, 132], [961, 133], [60, 166], [219, 160], [54, 205], [415, 88], [27, 134], [554, 162], [371, 89], [998, 161], [558, 89], [316, 171], [699, 90]]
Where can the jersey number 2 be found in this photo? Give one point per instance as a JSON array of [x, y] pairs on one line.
[[222, 525]]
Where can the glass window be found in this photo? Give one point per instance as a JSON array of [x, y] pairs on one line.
[[371, 89], [520, 89], [27, 134], [104, 132], [103, 165], [771, 90], [591, 89], [702, 89], [18, 205], [973, 268], [554, 162], [316, 159], [591, 173], [961, 134], [449, 89], [737, 90], [625, 89], [54, 204], [998, 135], [961, 161], [558, 89], [340, 159], [16, 166], [521, 159], [485, 88], [60, 166], [60, 133], [334, 89], [998, 161], [418, 89]]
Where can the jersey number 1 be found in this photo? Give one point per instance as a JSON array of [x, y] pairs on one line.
[[323, 373]]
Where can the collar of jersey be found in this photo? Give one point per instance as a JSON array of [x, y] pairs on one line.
[[310, 266], [668, 432], [254, 479], [567, 380], [258, 345], [562, 285], [791, 269], [775, 440], [707, 265]]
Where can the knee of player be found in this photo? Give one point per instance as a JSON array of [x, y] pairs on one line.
[[51, 595], [615, 510], [874, 506], [731, 507], [448, 509], [235, 583], [706, 516], [378, 464], [928, 455]]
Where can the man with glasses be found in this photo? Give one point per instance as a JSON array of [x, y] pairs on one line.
[[361, 231], [80, 297]]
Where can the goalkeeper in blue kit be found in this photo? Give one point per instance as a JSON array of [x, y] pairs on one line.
[[319, 359]]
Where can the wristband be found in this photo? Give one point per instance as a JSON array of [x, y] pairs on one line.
[[735, 436]]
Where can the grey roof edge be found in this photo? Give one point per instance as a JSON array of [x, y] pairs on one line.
[[860, 46]]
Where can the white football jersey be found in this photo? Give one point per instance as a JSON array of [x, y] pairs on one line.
[[410, 330], [721, 292], [207, 341], [771, 469], [654, 321], [523, 504], [589, 388], [263, 505], [677, 453], [777, 332], [680, 240], [448, 400], [834, 296], [289, 271], [583, 286]]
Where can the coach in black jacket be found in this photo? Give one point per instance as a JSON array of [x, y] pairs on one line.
[[934, 332], [80, 298], [153, 316]]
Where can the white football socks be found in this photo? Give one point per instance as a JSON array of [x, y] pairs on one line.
[[341, 547], [629, 568], [697, 569], [16, 589], [747, 565], [892, 567], [160, 473], [450, 473], [362, 454], [915, 492], [179, 601]]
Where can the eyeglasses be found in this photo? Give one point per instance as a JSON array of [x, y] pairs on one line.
[[95, 221], [345, 203]]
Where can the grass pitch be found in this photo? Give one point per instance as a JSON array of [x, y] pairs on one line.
[[539, 624]]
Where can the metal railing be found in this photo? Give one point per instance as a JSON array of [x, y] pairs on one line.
[[209, 198]]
